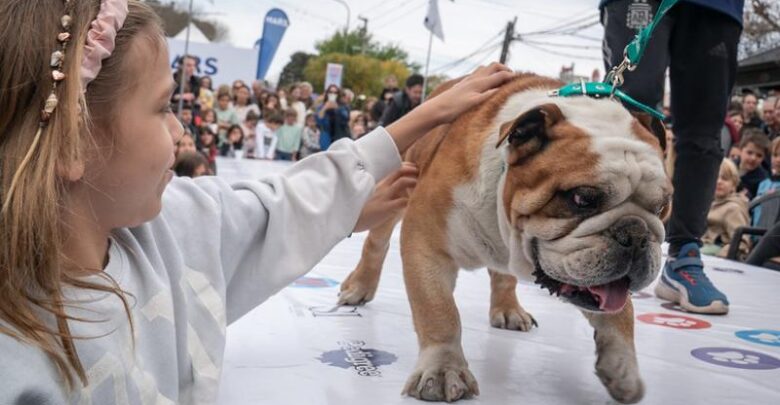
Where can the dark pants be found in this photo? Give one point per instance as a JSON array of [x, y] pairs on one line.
[[699, 46]]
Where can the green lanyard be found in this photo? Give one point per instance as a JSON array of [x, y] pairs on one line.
[[601, 90], [631, 55]]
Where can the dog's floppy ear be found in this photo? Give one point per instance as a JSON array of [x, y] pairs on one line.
[[654, 125], [528, 133]]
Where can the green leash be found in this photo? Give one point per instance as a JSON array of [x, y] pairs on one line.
[[632, 54]]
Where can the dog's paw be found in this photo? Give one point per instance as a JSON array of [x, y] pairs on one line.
[[618, 371], [514, 318], [355, 291], [441, 376]]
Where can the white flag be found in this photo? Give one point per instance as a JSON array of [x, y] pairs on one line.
[[432, 19]]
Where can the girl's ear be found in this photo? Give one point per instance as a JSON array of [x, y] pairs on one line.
[[71, 172]]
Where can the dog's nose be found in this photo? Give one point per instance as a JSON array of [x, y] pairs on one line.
[[630, 232]]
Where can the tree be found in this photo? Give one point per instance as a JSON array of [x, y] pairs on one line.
[[761, 28], [362, 73], [361, 42], [174, 17], [293, 70]]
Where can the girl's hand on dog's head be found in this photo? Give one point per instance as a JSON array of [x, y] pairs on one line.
[[470, 91]]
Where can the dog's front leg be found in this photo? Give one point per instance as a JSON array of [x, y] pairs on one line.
[[441, 373], [616, 363]]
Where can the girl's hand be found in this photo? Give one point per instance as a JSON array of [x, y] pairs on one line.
[[389, 198], [447, 106], [469, 92]]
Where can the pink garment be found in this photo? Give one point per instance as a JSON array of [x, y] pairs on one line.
[[101, 38]]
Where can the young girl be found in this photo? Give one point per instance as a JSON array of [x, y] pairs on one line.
[[208, 147], [233, 143], [310, 141], [186, 144], [242, 104], [110, 291], [727, 213]]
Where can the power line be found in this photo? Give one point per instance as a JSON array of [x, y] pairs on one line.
[[401, 16], [554, 44], [475, 52], [394, 10], [568, 55], [449, 66]]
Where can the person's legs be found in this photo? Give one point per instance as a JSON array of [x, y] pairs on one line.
[[621, 19], [703, 64]]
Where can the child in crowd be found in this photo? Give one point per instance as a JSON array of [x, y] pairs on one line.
[[249, 126], [753, 148], [208, 147], [289, 137], [206, 96], [226, 115], [266, 137], [727, 213], [113, 270], [242, 103], [210, 120], [187, 121], [771, 184], [310, 139], [191, 164], [233, 143], [186, 144]]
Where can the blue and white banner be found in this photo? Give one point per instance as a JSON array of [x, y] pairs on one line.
[[222, 62], [276, 23]]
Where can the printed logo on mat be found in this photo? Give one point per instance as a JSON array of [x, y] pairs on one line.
[[353, 354], [314, 282], [674, 321], [736, 358], [761, 336]]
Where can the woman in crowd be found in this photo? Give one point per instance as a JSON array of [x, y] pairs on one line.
[[332, 117]]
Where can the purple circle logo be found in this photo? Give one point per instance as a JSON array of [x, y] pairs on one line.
[[314, 282], [736, 358]]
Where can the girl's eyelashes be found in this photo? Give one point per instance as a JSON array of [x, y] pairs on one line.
[[167, 109]]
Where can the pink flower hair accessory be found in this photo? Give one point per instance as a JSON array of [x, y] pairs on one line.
[[101, 38]]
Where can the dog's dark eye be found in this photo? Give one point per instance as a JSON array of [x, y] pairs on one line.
[[585, 198]]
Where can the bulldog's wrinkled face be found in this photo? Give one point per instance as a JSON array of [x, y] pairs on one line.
[[584, 194]]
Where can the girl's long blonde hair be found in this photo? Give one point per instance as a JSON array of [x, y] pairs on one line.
[[33, 268]]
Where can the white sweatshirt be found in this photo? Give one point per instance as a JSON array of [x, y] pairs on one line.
[[215, 252]]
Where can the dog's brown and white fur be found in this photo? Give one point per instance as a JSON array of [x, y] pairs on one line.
[[572, 196]]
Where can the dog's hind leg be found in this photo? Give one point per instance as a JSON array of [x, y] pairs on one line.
[[616, 364], [505, 310], [360, 286]]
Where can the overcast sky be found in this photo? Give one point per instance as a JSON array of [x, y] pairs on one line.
[[469, 26]]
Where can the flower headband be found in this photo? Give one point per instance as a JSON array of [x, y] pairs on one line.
[[99, 45]]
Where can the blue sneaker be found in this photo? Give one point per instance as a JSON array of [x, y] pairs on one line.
[[683, 281]]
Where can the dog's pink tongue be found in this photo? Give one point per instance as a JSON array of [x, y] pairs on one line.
[[612, 296]]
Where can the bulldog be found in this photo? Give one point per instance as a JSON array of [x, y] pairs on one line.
[[568, 193]]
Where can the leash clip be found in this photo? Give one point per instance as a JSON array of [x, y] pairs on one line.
[[615, 76]]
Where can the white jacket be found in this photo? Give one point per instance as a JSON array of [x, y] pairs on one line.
[[214, 253]]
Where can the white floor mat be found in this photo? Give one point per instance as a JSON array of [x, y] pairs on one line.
[[297, 348]]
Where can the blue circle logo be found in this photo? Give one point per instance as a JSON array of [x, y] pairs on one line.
[[761, 336]]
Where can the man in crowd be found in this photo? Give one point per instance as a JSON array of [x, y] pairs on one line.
[[403, 101], [190, 91], [772, 124]]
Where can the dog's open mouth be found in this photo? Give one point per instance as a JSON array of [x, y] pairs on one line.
[[609, 297]]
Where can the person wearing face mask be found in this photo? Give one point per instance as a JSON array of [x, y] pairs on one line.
[[332, 117]]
